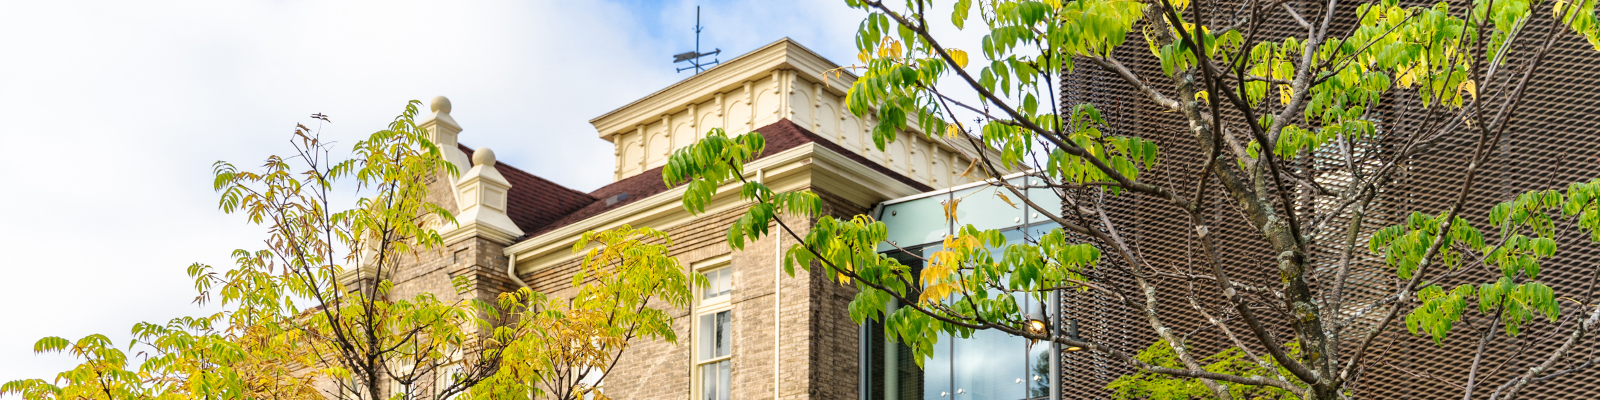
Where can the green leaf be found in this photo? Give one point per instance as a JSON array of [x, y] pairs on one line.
[[959, 16], [50, 344]]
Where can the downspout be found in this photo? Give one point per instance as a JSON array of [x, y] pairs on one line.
[[777, 298], [511, 270]]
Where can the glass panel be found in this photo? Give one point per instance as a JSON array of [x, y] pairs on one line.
[[724, 379], [724, 335], [715, 380], [727, 281], [984, 207], [936, 373], [915, 222], [720, 282], [715, 338], [989, 365], [1039, 371], [708, 382], [447, 376]]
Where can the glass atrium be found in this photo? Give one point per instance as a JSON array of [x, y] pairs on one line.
[[990, 364]]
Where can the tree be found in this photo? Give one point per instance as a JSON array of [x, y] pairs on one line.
[[313, 315], [1258, 108], [573, 344]]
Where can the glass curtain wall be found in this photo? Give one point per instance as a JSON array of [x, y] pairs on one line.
[[988, 365]]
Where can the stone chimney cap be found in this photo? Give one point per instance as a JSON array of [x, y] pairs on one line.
[[481, 156], [440, 104]]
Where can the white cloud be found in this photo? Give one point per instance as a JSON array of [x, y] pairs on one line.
[[116, 111]]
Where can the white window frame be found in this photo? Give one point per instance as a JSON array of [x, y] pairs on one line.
[[704, 306], [593, 380], [394, 385], [355, 389], [443, 378]]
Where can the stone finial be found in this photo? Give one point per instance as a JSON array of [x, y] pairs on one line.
[[443, 132], [481, 156], [440, 104], [482, 195]]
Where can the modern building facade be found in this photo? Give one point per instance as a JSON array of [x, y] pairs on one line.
[[1551, 143]]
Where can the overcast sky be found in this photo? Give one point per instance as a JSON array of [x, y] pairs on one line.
[[115, 111]]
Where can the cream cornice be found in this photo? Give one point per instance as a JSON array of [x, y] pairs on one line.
[[725, 77], [861, 175], [555, 247], [473, 229]]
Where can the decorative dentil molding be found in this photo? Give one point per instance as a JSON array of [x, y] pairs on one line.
[[782, 80]]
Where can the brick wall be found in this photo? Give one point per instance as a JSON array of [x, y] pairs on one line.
[[816, 354]]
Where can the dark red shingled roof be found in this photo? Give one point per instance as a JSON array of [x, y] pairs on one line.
[[535, 202], [780, 136]]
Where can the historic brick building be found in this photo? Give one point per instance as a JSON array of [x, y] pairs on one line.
[[791, 337]]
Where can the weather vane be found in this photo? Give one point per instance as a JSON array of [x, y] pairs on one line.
[[693, 57]]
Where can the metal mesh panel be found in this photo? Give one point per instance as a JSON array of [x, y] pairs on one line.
[[1553, 142]]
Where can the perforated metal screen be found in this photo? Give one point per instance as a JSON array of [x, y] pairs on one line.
[[1554, 140]]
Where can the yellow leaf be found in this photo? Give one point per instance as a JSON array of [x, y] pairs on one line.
[[970, 167], [951, 130], [950, 209], [864, 56], [1201, 96], [1407, 79], [1468, 86], [1284, 93], [959, 56], [1004, 198], [934, 293], [1154, 50], [889, 49]]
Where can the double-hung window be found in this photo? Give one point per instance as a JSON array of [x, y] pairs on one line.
[[713, 332]]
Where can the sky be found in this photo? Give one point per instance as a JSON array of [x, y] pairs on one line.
[[115, 112]]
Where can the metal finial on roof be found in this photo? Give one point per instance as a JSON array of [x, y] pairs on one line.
[[440, 104]]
